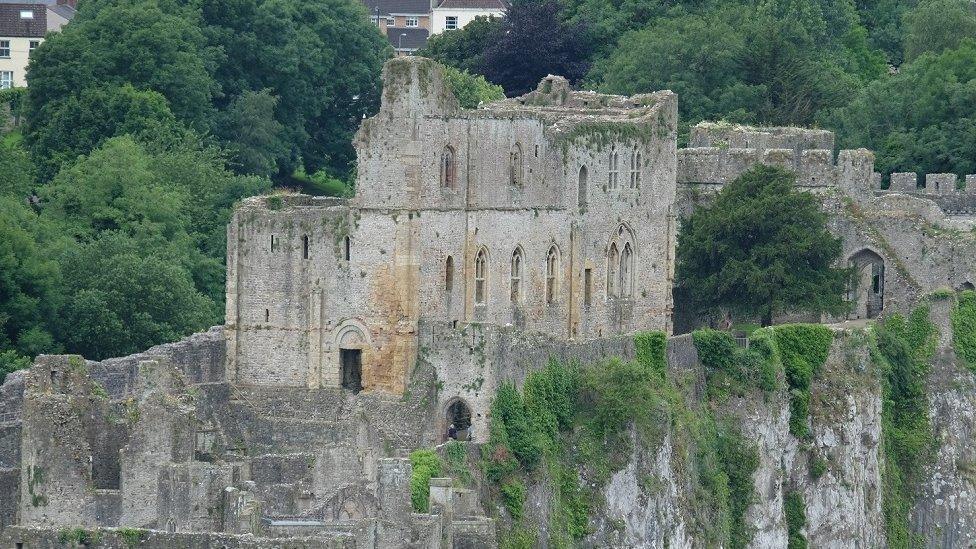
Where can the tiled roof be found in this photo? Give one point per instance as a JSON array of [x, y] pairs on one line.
[[413, 38], [14, 26], [386, 7], [474, 4]]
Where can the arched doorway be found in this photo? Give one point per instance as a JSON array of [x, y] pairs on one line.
[[966, 286], [459, 415], [867, 292], [352, 344]]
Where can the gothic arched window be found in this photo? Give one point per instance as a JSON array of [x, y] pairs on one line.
[[481, 277], [448, 168], [515, 168], [612, 177], [552, 270], [517, 261], [626, 270], [613, 263]]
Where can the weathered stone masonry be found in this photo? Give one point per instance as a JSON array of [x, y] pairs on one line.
[[480, 244]]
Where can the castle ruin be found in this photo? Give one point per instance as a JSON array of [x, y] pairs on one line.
[[480, 243]]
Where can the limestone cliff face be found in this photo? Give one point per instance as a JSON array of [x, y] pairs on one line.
[[945, 511], [837, 470]]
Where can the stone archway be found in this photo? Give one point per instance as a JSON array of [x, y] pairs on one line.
[[966, 286], [868, 287], [352, 345], [458, 414]]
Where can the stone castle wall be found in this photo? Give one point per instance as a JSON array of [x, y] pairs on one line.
[[564, 195]]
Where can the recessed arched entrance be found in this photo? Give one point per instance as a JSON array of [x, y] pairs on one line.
[[352, 344], [966, 286], [868, 288], [458, 415]]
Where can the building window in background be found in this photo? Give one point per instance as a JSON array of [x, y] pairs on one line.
[[451, 22], [412, 22], [6, 80]]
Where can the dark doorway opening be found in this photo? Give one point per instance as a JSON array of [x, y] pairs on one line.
[[459, 415], [351, 361]]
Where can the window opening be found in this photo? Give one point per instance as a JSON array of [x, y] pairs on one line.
[[480, 277], [552, 267], [516, 276]]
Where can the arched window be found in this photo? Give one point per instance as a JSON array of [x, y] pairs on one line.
[[612, 177], [448, 168], [517, 262], [552, 270], [582, 186], [481, 277], [626, 268], [613, 263], [449, 274], [515, 167]]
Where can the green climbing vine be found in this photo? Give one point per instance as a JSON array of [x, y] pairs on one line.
[[902, 347]]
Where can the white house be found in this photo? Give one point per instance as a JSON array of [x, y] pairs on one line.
[[22, 28], [455, 14]]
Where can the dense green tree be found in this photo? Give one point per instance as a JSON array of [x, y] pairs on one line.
[[321, 60], [699, 57], [471, 89], [29, 282], [253, 135], [761, 248], [922, 119], [175, 202], [120, 300], [78, 96], [463, 48], [938, 25], [277, 81], [535, 42], [745, 63]]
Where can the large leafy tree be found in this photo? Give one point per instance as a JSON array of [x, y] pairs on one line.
[[463, 48], [534, 42], [278, 82], [761, 248], [937, 25], [922, 119], [772, 63], [321, 60]]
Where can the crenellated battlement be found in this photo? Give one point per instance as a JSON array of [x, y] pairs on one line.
[[931, 183], [814, 167]]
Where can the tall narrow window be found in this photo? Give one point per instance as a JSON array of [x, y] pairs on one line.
[[613, 263], [637, 174], [633, 169], [587, 286], [515, 168], [626, 268], [305, 247], [448, 168], [274, 243], [481, 277], [347, 252], [267, 315], [517, 275], [552, 270], [612, 177], [582, 187], [449, 275]]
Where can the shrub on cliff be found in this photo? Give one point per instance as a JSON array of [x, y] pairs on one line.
[[964, 328]]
